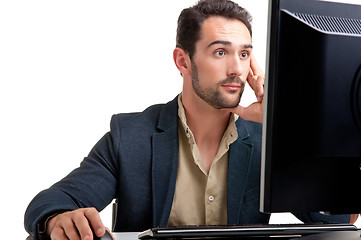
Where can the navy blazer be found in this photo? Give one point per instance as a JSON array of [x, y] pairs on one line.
[[136, 163]]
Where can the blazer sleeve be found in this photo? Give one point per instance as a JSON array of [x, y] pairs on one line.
[[93, 184]]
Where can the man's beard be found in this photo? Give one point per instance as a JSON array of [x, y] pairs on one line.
[[213, 96]]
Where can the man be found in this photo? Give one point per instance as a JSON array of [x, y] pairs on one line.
[[190, 161]]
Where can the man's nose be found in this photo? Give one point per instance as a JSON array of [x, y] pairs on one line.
[[236, 67]]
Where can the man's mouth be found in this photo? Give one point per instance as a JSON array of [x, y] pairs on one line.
[[231, 86]]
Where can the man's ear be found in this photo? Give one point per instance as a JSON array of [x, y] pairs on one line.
[[182, 61]]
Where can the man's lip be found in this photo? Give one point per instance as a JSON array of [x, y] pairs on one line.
[[231, 86]]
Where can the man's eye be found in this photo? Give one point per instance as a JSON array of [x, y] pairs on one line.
[[220, 53], [244, 55]]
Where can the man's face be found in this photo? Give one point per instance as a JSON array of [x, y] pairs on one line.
[[221, 62]]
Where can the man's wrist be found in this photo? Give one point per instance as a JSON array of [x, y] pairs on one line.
[[43, 226]]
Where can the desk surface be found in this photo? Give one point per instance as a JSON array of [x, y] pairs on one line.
[[340, 235], [118, 236], [134, 236], [126, 236]]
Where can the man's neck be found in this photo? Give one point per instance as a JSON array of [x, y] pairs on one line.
[[208, 126], [206, 122]]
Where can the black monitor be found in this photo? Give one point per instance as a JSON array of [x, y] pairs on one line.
[[311, 156]]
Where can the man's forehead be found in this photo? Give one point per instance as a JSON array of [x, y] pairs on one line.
[[218, 28]]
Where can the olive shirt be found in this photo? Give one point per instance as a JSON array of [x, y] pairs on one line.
[[200, 198]]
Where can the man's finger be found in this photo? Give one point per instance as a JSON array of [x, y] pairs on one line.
[[71, 231], [83, 227], [256, 79], [58, 234], [257, 84], [256, 69], [95, 221]]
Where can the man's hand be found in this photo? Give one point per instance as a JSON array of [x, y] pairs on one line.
[[253, 112], [256, 79], [76, 225], [353, 218]]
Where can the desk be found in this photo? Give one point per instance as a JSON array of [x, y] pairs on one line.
[[126, 236], [134, 236], [118, 236], [340, 235]]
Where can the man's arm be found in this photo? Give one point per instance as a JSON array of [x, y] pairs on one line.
[[93, 184]]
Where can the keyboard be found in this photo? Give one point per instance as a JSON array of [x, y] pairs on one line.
[[243, 230]]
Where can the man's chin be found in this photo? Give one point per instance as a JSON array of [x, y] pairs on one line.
[[232, 106], [231, 101], [227, 105], [223, 101]]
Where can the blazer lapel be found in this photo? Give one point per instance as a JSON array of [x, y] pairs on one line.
[[165, 163], [238, 168]]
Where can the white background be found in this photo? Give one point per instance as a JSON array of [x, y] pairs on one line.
[[66, 67]]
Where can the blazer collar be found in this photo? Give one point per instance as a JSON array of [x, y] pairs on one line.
[[168, 117]]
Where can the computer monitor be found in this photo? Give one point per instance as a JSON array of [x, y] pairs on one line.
[[311, 152]]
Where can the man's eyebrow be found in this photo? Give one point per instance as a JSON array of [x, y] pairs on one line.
[[248, 46], [227, 43]]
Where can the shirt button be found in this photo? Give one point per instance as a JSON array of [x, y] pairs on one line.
[[211, 198]]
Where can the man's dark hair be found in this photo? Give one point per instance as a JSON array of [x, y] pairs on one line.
[[191, 19]]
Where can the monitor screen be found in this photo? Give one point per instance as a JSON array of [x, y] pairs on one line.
[[311, 156]]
